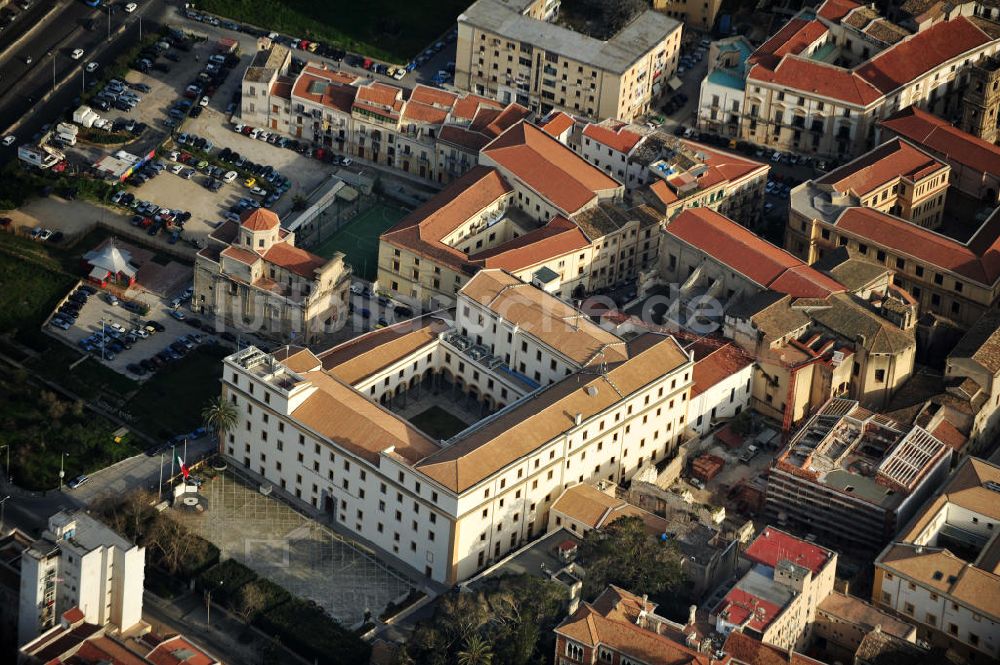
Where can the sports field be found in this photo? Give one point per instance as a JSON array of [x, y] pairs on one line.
[[358, 239]]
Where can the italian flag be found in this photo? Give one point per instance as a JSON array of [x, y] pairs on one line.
[[184, 469]]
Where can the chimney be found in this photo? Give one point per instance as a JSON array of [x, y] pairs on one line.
[[578, 418], [692, 612]]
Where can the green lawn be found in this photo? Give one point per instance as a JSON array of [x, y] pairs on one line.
[[438, 423], [394, 30], [171, 401], [28, 292], [358, 239]]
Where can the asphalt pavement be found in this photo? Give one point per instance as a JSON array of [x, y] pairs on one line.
[[24, 87]]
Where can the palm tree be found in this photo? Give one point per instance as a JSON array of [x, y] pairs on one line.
[[220, 416], [476, 652]]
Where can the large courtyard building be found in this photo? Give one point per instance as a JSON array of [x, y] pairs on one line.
[[251, 276], [941, 572], [537, 395], [820, 85], [533, 208], [518, 51], [853, 478]]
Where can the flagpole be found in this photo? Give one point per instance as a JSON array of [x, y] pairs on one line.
[[185, 458], [159, 488], [173, 454]]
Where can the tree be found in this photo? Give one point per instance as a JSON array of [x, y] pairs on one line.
[[624, 554], [220, 416], [476, 651], [250, 600]]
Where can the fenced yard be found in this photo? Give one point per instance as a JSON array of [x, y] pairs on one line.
[[358, 238]]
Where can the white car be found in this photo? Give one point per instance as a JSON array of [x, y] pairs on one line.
[[238, 127], [117, 327], [131, 7], [45, 234], [92, 66], [776, 157], [204, 101], [9, 139], [230, 176], [76, 54], [176, 169], [347, 161]]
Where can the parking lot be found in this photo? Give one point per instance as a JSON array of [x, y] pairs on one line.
[[98, 316]]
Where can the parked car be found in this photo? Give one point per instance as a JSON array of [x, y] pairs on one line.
[[76, 482]]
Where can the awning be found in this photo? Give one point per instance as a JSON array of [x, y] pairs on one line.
[[675, 83]]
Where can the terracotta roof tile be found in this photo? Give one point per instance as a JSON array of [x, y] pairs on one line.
[[463, 138], [746, 649], [818, 78], [560, 236], [294, 259], [834, 10], [241, 255], [380, 94], [417, 112], [586, 504], [554, 171], [748, 254], [558, 123], [619, 139], [911, 58], [466, 107], [433, 96], [939, 136], [979, 260], [178, 650], [259, 220], [720, 364], [947, 434], [365, 355], [774, 545], [338, 412], [893, 159]]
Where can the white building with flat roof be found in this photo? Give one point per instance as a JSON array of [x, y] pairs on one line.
[[80, 562]]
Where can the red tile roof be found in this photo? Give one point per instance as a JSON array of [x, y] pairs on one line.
[[557, 123], [502, 121], [663, 192], [949, 435], [722, 165], [893, 159], [466, 107], [463, 138], [619, 139], [560, 236], [774, 545], [417, 112], [748, 254], [241, 255], [73, 614], [294, 259], [739, 605], [178, 650], [433, 96], [912, 57], [722, 362], [750, 651], [979, 260], [423, 229], [259, 220], [943, 138], [380, 94], [282, 88], [548, 167], [329, 88], [834, 10], [818, 78], [765, 53]]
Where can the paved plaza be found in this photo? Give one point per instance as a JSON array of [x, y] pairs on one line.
[[301, 555]]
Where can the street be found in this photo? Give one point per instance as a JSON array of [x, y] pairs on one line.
[[23, 86]]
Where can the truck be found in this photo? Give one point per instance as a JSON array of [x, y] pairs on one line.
[[67, 128], [85, 116], [65, 139], [43, 157]]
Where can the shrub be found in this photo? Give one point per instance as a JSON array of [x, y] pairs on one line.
[[307, 630]]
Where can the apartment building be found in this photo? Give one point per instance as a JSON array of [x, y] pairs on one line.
[[843, 622], [533, 208], [518, 51], [973, 369], [620, 627], [548, 399], [80, 563], [699, 15], [940, 573], [821, 84], [672, 173], [723, 379], [251, 276], [975, 163], [427, 132], [776, 601], [853, 478]]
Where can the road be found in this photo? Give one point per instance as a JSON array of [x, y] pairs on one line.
[[23, 86]]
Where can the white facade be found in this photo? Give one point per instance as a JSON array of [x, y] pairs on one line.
[[724, 399], [79, 562], [394, 503]]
